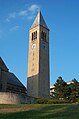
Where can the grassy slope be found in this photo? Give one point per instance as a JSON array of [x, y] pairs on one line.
[[47, 111]]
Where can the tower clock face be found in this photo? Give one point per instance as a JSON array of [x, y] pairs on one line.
[[34, 46]]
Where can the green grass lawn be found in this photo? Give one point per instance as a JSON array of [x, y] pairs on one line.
[[39, 111]]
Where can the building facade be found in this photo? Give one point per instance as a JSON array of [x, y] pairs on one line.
[[12, 91], [38, 80], [9, 82]]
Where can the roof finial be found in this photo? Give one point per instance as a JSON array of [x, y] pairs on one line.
[[38, 10]]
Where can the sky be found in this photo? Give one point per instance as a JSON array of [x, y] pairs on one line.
[[62, 18]]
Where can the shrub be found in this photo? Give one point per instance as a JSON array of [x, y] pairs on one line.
[[50, 101], [41, 101]]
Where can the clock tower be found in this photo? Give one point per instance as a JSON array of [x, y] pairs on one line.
[[38, 80]]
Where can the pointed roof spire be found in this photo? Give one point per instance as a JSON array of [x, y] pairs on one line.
[[39, 20]]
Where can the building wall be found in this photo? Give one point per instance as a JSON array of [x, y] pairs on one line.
[[32, 87], [52, 91], [33, 64], [0, 80], [44, 82], [33, 54], [0, 73], [38, 81], [11, 98]]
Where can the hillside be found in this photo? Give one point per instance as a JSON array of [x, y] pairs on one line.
[[39, 111]]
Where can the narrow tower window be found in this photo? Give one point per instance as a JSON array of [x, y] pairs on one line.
[[43, 36], [34, 35]]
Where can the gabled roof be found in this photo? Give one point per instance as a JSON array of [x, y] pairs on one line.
[[39, 20], [12, 79], [2, 65]]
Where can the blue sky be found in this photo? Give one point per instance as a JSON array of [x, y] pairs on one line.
[[62, 18]]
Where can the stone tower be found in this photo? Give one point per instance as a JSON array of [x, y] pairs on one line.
[[38, 81]]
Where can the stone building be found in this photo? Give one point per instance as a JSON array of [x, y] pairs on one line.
[[8, 81], [12, 91], [38, 81], [52, 91]]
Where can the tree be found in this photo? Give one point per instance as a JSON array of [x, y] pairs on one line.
[[74, 90], [66, 92], [62, 91]]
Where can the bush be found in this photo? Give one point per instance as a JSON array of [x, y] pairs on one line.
[[77, 100], [41, 101], [50, 101]]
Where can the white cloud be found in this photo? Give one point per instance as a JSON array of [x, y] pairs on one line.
[[29, 12], [14, 28], [12, 15], [30, 17], [33, 8], [22, 13], [7, 20]]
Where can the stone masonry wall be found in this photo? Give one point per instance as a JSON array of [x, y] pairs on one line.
[[12, 98]]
